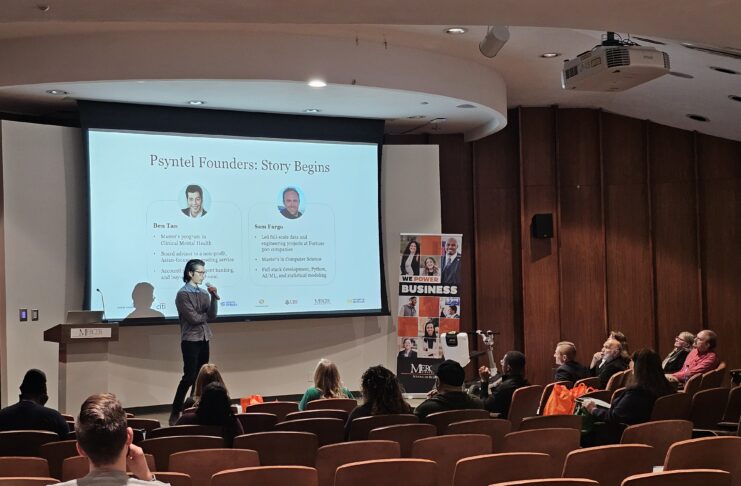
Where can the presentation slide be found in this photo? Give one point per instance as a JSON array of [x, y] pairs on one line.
[[284, 226]]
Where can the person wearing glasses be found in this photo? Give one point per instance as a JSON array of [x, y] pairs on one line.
[[196, 306]]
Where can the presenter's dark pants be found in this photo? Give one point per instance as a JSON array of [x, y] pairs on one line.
[[195, 355]]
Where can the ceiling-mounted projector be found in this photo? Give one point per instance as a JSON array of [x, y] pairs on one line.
[[614, 66]]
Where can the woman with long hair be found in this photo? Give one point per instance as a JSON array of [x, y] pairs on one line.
[[430, 268], [214, 408], [208, 373], [410, 259], [327, 384], [682, 347], [382, 395], [430, 339]]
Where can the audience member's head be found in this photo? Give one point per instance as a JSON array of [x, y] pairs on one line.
[[382, 391], [102, 434], [208, 373], [648, 373], [513, 363], [215, 407], [684, 340], [450, 375], [565, 352], [620, 337], [611, 349], [705, 341], [327, 379], [33, 386]]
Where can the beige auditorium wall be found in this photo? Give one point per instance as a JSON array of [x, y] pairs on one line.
[[44, 254]]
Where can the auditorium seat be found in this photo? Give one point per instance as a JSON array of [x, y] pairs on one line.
[[547, 393], [555, 442], [495, 428], [609, 465], [707, 453], [24, 467], [714, 378], [690, 477], [55, 453], [201, 464], [659, 434], [496, 468], [360, 427], [692, 386], [143, 424], [617, 380], [327, 430], [404, 435], [441, 420], [267, 476], [552, 422], [178, 430], [162, 447], [446, 450], [174, 478], [280, 409], [24, 442], [592, 381], [330, 457], [672, 407], [257, 422], [708, 407], [525, 402], [617, 393], [551, 482], [321, 413], [389, 472], [346, 404], [10, 481], [281, 448], [732, 412]]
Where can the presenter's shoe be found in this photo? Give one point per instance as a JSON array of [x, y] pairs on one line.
[[174, 416]]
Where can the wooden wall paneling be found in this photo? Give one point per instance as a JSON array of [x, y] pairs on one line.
[[497, 241], [674, 227], [540, 284], [629, 270], [582, 241], [719, 172]]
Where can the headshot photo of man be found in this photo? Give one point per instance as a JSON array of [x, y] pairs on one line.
[[194, 197], [450, 262], [291, 203]]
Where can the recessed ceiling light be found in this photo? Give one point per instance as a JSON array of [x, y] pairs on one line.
[[466, 105], [416, 117], [681, 75], [312, 110], [723, 70], [735, 97], [317, 83], [58, 92], [699, 118], [456, 30], [43, 8], [549, 55], [196, 102]]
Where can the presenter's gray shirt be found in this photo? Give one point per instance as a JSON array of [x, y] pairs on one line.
[[110, 478], [195, 308]]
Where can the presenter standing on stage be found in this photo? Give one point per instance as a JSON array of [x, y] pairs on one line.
[[196, 306]]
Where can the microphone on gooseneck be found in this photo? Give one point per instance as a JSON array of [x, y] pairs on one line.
[[103, 301], [209, 287]]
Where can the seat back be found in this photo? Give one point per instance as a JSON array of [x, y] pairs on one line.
[[672, 407], [616, 381], [24, 442], [552, 422], [733, 406], [174, 478], [178, 430], [389, 472], [162, 447], [660, 435], [24, 467], [592, 381], [11, 481], [494, 428], [144, 424], [404, 435], [525, 403], [599, 463], [550, 482], [692, 385], [617, 393], [446, 450], [280, 409], [77, 467], [547, 393], [713, 378], [707, 407], [694, 477], [330, 457], [497, 468], [257, 422], [281, 448], [441, 420], [327, 430], [707, 453], [555, 442], [346, 404], [360, 427], [321, 413], [200, 465], [55, 453]]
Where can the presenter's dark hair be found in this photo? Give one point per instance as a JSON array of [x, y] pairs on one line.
[[191, 267], [101, 428], [382, 391], [291, 189], [193, 188]]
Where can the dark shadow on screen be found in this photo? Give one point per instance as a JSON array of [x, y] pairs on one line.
[[143, 298]]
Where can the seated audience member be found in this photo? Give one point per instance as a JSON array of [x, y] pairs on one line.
[[682, 347], [327, 384], [513, 377], [208, 373], [624, 354], [568, 368], [382, 395], [104, 438], [448, 393], [701, 359], [215, 409], [612, 362], [30, 413], [634, 406]]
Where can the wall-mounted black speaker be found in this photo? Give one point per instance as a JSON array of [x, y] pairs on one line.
[[542, 225]]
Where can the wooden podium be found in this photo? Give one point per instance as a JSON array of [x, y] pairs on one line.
[[83, 361]]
